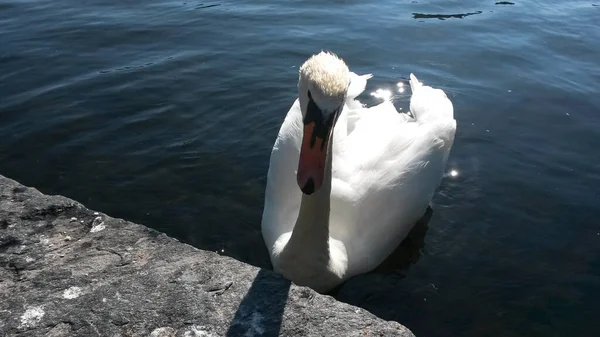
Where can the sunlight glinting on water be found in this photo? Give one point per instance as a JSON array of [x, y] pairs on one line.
[[400, 87], [386, 94], [383, 94], [453, 173]]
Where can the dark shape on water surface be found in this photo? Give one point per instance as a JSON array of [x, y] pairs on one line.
[[203, 6], [443, 16], [504, 3]]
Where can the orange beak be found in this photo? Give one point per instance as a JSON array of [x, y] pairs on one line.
[[313, 154]]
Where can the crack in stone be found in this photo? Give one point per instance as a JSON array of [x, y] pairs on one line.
[[219, 289], [123, 259]]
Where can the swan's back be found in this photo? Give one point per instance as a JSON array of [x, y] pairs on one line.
[[387, 173]]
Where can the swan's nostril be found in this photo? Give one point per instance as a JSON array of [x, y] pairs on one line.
[[309, 187]]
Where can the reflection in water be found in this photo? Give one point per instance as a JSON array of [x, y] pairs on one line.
[[443, 16]]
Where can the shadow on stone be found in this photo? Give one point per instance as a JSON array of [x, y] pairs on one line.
[[261, 311]]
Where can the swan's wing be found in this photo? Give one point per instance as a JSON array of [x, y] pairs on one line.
[[387, 175], [282, 195]]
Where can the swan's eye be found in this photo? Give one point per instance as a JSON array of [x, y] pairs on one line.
[[320, 117], [313, 112]]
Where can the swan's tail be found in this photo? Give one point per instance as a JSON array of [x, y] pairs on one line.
[[428, 104]]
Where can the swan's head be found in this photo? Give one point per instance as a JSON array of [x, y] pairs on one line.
[[323, 85]]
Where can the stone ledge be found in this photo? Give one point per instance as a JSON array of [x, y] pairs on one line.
[[68, 271]]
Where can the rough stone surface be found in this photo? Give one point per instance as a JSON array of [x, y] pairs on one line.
[[68, 271]]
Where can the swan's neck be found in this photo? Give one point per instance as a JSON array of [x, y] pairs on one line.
[[311, 232], [310, 257]]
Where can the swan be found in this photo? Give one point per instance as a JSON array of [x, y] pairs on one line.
[[347, 183]]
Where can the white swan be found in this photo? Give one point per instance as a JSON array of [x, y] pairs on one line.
[[346, 183]]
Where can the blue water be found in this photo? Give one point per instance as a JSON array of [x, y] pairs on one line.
[[164, 113]]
